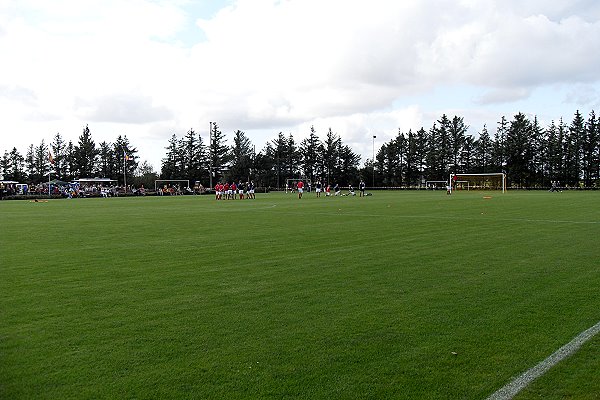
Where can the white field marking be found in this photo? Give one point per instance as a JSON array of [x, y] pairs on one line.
[[552, 221], [519, 383]]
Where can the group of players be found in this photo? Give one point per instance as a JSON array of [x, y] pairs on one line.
[[233, 191], [337, 189], [245, 190]]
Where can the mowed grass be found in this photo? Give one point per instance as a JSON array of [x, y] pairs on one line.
[[403, 295]]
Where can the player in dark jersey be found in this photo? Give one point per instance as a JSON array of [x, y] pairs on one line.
[[361, 188]]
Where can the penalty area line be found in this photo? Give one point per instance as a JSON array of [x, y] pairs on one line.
[[522, 381]]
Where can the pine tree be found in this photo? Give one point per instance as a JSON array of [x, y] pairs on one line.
[[467, 154], [456, 130], [292, 158], [69, 162], [30, 165], [193, 157], [106, 161], [446, 150], [563, 149], [41, 161], [518, 150], [421, 154], [349, 162], [434, 158], [330, 156], [590, 161], [398, 150], [15, 167], [277, 152], [483, 152], [58, 149], [126, 160], [218, 152], [171, 164], [574, 149], [85, 155], [412, 160], [241, 157], [310, 155], [499, 146], [4, 165], [264, 170], [536, 153], [552, 153]]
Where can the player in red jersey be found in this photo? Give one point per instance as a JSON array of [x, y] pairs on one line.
[[227, 190], [300, 187]]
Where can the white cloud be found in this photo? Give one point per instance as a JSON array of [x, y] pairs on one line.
[[503, 95], [583, 95], [123, 108], [18, 93]]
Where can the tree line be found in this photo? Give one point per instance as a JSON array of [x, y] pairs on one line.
[[282, 158], [530, 155], [66, 161]]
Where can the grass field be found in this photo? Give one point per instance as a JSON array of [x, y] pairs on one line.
[[402, 295]]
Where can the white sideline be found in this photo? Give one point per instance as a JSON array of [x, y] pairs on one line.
[[519, 383]]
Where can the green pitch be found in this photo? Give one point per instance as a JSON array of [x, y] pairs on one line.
[[403, 295]]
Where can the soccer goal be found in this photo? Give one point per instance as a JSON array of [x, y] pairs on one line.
[[486, 181]]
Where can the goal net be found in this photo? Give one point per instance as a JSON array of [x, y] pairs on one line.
[[486, 181]]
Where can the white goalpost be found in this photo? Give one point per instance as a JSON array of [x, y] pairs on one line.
[[489, 181]]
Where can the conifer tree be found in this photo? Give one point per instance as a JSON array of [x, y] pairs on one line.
[[483, 152], [58, 149], [241, 153], [590, 150], [172, 162], [218, 152], [85, 155], [331, 147], [310, 155]]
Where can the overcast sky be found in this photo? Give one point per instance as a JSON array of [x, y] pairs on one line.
[[149, 69]]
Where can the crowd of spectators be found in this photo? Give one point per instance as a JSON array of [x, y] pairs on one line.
[[92, 189], [8, 189], [69, 190]]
